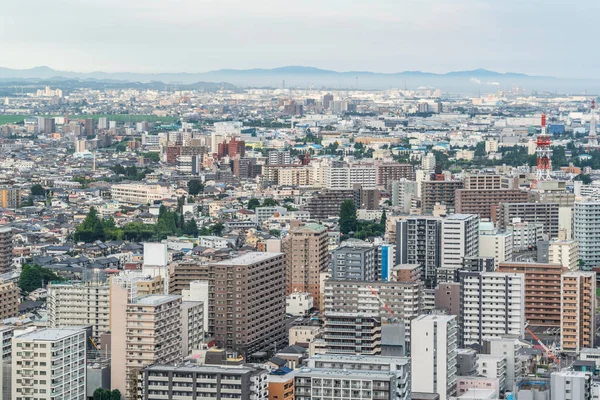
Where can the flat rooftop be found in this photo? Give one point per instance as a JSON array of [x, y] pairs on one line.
[[216, 369], [50, 334], [353, 374], [249, 258], [156, 299], [360, 358]]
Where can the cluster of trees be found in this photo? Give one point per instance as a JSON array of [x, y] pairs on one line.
[[169, 223], [106, 394], [33, 276], [132, 172], [268, 202], [360, 151], [195, 186], [351, 227]]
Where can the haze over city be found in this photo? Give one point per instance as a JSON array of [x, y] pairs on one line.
[[536, 37]]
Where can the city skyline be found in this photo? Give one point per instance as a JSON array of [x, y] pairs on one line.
[[386, 36]]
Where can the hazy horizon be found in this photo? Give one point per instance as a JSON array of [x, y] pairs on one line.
[[155, 36]]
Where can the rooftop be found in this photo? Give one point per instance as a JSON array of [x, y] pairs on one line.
[[156, 299], [249, 258], [354, 374], [50, 334]]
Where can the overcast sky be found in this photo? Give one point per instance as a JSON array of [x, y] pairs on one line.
[[538, 37]]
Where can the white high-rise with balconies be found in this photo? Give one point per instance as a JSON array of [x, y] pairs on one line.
[[49, 364], [433, 354]]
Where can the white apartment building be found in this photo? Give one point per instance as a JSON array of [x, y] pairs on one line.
[[298, 304], [564, 252], [508, 347], [49, 364], [141, 193], [346, 177], [460, 239], [586, 231], [192, 326], [433, 355], [526, 234], [492, 305], [492, 366], [496, 244], [74, 304]]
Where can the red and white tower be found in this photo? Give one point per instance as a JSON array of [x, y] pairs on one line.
[[592, 137], [544, 153]]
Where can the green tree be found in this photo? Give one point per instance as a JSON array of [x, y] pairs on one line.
[[586, 179], [98, 394], [269, 202], [275, 232], [195, 186], [217, 229], [347, 217], [115, 395], [191, 228], [252, 204], [383, 220], [33, 276], [38, 190]]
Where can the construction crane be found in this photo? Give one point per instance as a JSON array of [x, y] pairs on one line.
[[376, 295], [94, 343], [546, 349]]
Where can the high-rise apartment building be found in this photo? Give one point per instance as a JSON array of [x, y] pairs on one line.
[[10, 197], [492, 305], [192, 326], [496, 244], [564, 252], [402, 299], [482, 182], [439, 192], [388, 172], [482, 201], [306, 249], [183, 272], [403, 192], [82, 303], [578, 310], [49, 364], [391, 378], [544, 213], [247, 303], [460, 240], [433, 355], [542, 290], [352, 333], [277, 157], [570, 385], [356, 261], [9, 300], [418, 241], [191, 382], [6, 249], [586, 231], [89, 126], [327, 203]]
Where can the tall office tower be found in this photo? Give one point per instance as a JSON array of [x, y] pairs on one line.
[[578, 310], [49, 126], [306, 249], [418, 241], [277, 157], [247, 306], [439, 192], [380, 377], [483, 201], [49, 364], [570, 385], [153, 337], [88, 124], [6, 249], [10, 197], [545, 213], [191, 382], [401, 298], [403, 192], [84, 303], [433, 351], [183, 272], [492, 305], [564, 252], [542, 291], [327, 100], [355, 260], [102, 123], [586, 231], [460, 238], [126, 288], [392, 172]]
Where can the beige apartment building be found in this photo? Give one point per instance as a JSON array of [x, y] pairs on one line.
[[564, 252], [141, 194], [578, 310], [6, 248], [9, 299], [306, 256], [542, 291]]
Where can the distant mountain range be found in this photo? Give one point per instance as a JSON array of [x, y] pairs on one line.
[[306, 77]]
